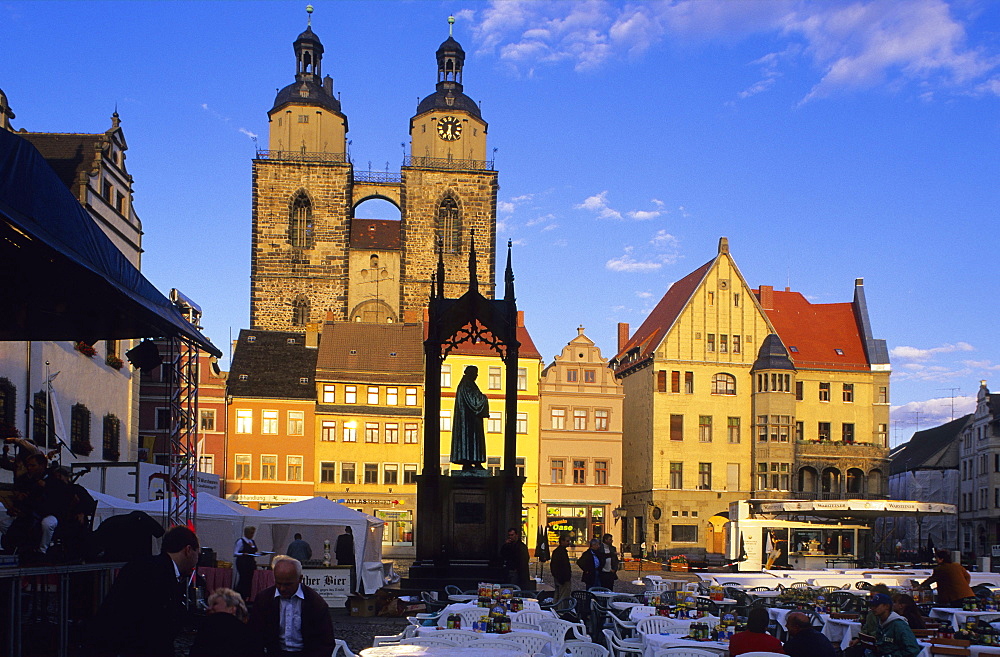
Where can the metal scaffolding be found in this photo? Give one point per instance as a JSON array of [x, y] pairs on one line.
[[182, 384]]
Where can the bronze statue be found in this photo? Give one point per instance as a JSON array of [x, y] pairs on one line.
[[468, 439]]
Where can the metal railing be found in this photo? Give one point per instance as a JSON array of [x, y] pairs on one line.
[[378, 177], [447, 163], [298, 156]]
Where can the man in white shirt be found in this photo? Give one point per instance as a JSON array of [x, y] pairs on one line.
[[608, 573], [292, 618]]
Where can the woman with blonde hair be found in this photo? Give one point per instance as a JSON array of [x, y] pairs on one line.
[[224, 632]]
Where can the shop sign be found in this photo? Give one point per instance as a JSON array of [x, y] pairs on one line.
[[393, 515], [333, 584]]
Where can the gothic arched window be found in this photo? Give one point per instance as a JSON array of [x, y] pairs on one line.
[[300, 311], [300, 222], [449, 225]]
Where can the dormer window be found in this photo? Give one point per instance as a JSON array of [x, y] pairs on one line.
[[839, 352], [290, 341], [251, 338], [304, 380], [244, 377], [793, 349]]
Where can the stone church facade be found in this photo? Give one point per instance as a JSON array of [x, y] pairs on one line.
[[312, 256]]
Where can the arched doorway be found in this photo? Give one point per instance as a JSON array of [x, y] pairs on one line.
[[855, 481], [808, 480], [830, 483]]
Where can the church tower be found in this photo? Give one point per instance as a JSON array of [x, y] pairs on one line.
[[311, 255], [449, 187], [301, 202]]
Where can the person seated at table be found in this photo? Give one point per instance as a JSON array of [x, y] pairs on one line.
[[906, 606], [292, 618], [952, 581], [804, 640], [224, 632], [755, 637], [893, 636], [869, 625]]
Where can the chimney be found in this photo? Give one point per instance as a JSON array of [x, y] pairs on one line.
[[520, 319], [312, 335], [622, 335], [767, 297], [328, 85]]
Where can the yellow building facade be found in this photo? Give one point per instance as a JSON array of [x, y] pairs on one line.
[[580, 459], [491, 382], [732, 393]]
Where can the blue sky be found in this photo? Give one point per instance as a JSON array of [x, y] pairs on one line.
[[826, 140]]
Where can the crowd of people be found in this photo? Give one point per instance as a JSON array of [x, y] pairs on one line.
[[147, 607]]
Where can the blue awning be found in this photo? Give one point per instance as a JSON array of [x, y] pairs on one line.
[[61, 278]]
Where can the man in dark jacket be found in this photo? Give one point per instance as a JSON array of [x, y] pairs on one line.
[[514, 554], [591, 562], [804, 640], [608, 573], [145, 608], [291, 617], [562, 572]]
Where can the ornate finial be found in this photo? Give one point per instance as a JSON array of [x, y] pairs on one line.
[[451, 25], [309, 11], [473, 277], [115, 121], [508, 276]]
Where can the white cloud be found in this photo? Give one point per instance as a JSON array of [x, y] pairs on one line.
[[917, 354], [505, 207], [522, 198], [657, 202], [853, 45], [664, 239], [550, 227], [541, 220], [599, 203], [644, 295], [920, 415], [643, 215], [626, 263], [251, 135]]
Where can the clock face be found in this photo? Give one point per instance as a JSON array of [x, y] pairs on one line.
[[449, 128]]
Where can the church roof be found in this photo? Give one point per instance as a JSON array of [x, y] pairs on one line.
[[274, 363], [818, 336], [305, 93], [450, 45], [375, 234], [448, 99]]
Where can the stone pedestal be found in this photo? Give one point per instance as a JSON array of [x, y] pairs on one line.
[[462, 521]]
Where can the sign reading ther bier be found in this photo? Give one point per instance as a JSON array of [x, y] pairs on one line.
[[333, 583]]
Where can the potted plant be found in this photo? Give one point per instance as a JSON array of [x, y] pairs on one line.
[[679, 563], [114, 361], [84, 348]]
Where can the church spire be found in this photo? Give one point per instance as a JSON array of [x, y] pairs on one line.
[[308, 53], [450, 59]]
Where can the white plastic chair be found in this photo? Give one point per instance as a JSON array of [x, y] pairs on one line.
[[534, 642], [620, 648], [558, 628], [497, 644], [341, 649], [761, 653], [684, 652], [586, 649], [518, 625], [461, 637], [658, 625], [527, 616], [470, 615], [428, 641]]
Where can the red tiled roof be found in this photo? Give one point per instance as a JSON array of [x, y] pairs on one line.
[[374, 234], [817, 331], [652, 331]]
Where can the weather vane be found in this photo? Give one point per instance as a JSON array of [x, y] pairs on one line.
[[451, 25], [309, 10]]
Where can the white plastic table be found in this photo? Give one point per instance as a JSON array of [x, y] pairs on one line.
[[404, 650], [958, 617], [841, 630]]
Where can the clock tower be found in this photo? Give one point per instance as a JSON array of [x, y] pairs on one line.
[[449, 187]]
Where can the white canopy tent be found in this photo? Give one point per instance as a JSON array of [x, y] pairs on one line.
[[109, 505], [319, 519], [219, 522]]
